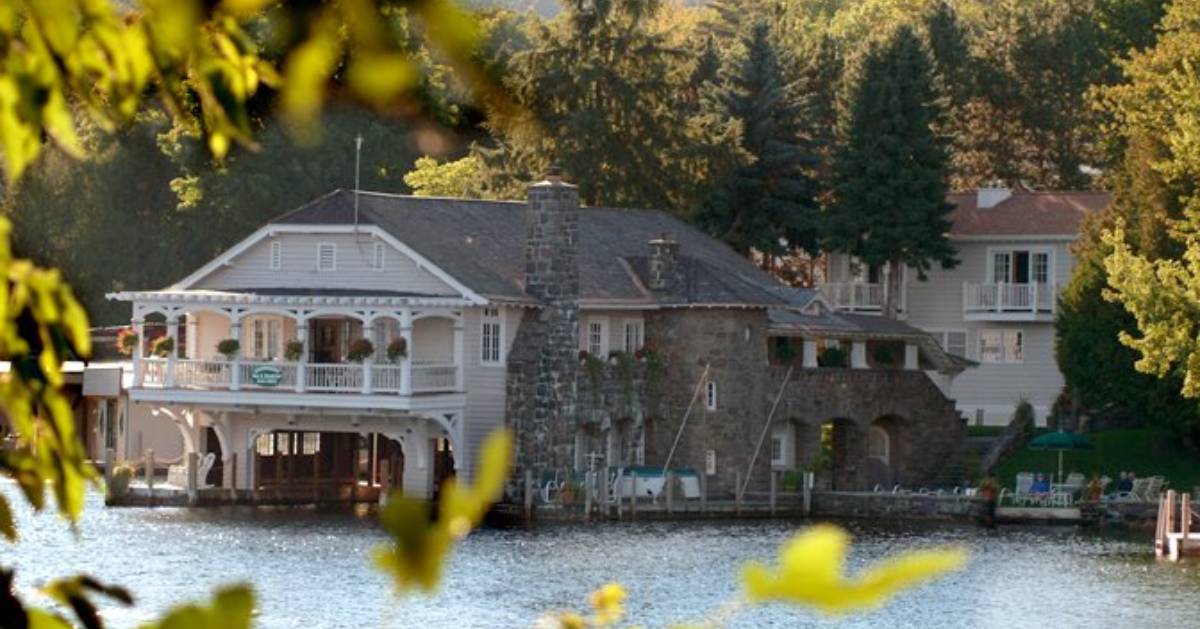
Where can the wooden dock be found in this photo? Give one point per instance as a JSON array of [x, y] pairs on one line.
[[1173, 535]]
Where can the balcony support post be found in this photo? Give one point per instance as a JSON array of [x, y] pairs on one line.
[[139, 331], [173, 334], [235, 366], [912, 359], [858, 354], [368, 333], [458, 355], [302, 364], [1033, 298], [809, 355], [406, 362], [1000, 297]]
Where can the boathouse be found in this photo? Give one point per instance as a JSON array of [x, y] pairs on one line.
[[369, 340]]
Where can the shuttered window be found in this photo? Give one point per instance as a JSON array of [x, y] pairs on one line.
[[326, 256], [377, 260], [276, 255]]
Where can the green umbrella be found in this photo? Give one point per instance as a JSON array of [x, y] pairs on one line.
[[1060, 441]]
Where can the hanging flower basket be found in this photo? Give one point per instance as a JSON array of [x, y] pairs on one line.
[[397, 350], [163, 346], [229, 348], [293, 350], [127, 340], [360, 350]]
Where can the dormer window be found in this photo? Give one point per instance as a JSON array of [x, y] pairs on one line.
[[276, 255], [378, 257], [326, 256]]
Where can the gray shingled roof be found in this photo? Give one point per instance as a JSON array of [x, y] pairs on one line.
[[481, 244]]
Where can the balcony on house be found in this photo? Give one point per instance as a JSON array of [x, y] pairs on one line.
[[297, 345], [999, 301], [864, 297]]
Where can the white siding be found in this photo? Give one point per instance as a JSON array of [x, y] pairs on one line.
[[937, 304], [433, 341], [485, 384], [355, 267]]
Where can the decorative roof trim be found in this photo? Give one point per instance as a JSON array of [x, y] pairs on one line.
[[271, 229], [254, 299]]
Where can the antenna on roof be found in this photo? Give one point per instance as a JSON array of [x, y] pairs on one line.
[[357, 162]]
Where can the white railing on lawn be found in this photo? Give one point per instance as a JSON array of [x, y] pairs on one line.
[[1009, 298], [427, 378]]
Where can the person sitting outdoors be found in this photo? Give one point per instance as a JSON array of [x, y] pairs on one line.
[[1126, 482], [1040, 486]]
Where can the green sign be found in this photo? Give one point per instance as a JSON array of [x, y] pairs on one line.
[[267, 375]]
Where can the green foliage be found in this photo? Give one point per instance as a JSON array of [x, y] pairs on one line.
[[163, 346], [397, 350], [461, 178], [1146, 451], [770, 194], [360, 350], [889, 168], [832, 357], [118, 483], [293, 350], [228, 348], [232, 607]]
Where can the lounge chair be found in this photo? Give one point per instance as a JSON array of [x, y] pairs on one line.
[[1021, 494]]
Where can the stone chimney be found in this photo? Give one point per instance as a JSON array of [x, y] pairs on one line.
[[665, 273], [991, 195], [545, 356]]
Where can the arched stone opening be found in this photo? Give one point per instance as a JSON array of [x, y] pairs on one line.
[[887, 451], [839, 458]]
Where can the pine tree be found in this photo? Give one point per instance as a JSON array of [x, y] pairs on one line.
[[889, 168], [767, 202]]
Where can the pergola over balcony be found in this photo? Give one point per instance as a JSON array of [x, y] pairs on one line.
[[321, 323]]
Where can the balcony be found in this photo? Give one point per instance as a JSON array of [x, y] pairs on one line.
[[1009, 302], [217, 375], [857, 296]]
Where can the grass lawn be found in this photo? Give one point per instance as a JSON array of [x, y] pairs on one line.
[[985, 431], [1146, 451]]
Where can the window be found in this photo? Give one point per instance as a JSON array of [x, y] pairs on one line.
[[378, 258], [710, 395], [265, 342], [776, 450], [491, 337], [1020, 267], [265, 445], [326, 256], [311, 443], [952, 341], [633, 336], [276, 255], [595, 339], [1001, 346], [385, 330]]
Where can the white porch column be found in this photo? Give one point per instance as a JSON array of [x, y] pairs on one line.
[[911, 357], [302, 366], [369, 334], [458, 355], [809, 356], [858, 355], [173, 334], [406, 362], [139, 331], [235, 368]]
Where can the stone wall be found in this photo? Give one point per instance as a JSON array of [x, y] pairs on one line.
[[841, 504]]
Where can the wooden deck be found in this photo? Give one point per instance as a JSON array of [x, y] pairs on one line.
[[1173, 536]]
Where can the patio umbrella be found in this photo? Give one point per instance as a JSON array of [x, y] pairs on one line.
[[1060, 441]]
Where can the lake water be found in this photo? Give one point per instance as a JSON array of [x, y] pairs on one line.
[[311, 569]]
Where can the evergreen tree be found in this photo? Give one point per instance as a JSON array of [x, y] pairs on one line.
[[597, 97], [889, 168], [769, 197]]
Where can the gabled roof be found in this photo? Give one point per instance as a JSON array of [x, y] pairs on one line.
[[481, 244], [1025, 213]]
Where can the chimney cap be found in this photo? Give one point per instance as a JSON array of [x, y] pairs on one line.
[[663, 239], [553, 177]]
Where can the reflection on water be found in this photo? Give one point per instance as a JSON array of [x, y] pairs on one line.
[[310, 570]]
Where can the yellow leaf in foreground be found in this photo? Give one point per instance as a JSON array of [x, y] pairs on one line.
[[811, 566], [608, 602]]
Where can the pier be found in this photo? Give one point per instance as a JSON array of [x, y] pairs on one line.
[[1174, 535]]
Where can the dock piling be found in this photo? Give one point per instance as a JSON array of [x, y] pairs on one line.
[[668, 488], [528, 496], [150, 473], [737, 493], [774, 479]]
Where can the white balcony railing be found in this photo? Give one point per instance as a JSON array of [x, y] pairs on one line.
[[999, 298], [857, 296], [295, 377]]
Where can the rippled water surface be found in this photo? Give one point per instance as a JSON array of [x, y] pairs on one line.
[[311, 570]]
